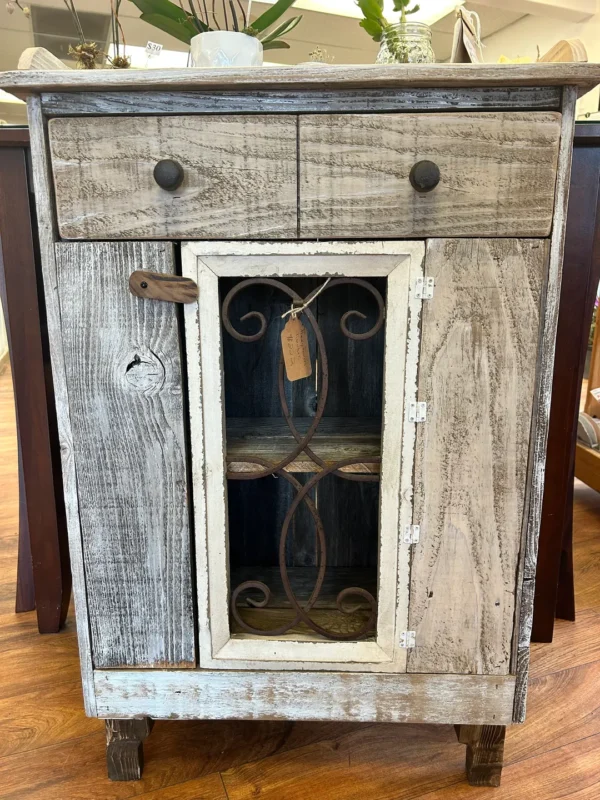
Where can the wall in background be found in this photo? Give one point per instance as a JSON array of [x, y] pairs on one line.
[[524, 36]]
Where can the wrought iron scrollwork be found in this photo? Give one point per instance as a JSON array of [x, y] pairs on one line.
[[301, 612]]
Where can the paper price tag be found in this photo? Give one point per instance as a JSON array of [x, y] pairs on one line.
[[595, 393], [296, 355], [153, 49]]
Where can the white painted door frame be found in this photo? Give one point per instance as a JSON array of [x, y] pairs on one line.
[[205, 262]]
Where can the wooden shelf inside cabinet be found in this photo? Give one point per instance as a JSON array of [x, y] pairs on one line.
[[325, 610], [336, 439]]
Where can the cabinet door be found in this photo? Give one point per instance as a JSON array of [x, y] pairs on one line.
[[123, 370], [477, 368], [301, 488]]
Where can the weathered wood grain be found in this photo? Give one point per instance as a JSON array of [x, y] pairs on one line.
[[498, 173], [301, 101], [582, 76], [239, 177], [359, 697], [336, 439], [476, 373], [123, 374], [42, 184], [541, 411], [157, 286]]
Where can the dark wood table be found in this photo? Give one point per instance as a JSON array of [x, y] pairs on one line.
[[44, 578], [554, 593]]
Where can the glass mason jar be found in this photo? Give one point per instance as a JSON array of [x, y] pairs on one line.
[[406, 43]]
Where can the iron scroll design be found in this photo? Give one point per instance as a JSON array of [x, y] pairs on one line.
[[301, 612]]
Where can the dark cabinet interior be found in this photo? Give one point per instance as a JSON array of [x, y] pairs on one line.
[[346, 503]]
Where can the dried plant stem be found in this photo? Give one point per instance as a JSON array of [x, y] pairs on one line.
[[244, 19], [118, 34], [206, 12], [225, 15], [214, 14], [71, 6], [193, 10], [236, 27]]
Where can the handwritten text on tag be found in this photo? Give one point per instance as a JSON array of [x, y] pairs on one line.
[[296, 355]]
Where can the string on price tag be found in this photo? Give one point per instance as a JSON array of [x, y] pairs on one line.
[[294, 340]]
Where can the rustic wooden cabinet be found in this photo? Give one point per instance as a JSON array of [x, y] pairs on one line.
[[359, 544]]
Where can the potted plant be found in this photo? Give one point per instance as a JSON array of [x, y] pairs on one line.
[[220, 33], [403, 42]]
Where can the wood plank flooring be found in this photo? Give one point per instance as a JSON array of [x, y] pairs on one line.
[[50, 751]]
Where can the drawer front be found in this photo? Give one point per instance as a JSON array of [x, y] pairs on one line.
[[239, 177], [497, 174]]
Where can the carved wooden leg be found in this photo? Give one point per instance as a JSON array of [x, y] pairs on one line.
[[485, 752], [125, 747]]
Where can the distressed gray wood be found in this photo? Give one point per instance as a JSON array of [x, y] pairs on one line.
[[498, 173], [63, 104], [240, 177], [541, 414], [123, 373], [342, 696], [350, 76], [42, 184], [477, 370]]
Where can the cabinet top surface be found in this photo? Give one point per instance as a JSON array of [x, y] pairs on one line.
[[584, 76]]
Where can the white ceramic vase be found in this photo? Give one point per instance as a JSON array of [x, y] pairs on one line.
[[226, 49]]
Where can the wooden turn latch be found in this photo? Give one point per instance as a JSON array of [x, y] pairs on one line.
[[163, 286]]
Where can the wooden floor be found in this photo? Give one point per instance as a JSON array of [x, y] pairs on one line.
[[49, 750]]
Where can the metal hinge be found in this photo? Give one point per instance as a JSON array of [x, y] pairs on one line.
[[412, 534], [424, 288], [408, 639], [417, 412]]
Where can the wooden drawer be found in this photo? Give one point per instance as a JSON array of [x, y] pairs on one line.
[[240, 177], [497, 174]]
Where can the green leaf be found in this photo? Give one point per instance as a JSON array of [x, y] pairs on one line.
[[278, 45], [162, 7], [184, 31], [281, 30], [374, 29], [413, 10], [371, 9], [271, 15]]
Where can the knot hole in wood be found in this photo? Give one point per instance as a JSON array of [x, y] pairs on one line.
[[145, 372]]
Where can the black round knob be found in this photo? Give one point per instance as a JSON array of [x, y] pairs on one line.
[[168, 174], [425, 176]]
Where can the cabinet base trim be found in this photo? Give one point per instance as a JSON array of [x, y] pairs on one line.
[[338, 696]]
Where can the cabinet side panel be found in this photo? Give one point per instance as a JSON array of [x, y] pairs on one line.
[[123, 371], [47, 236], [477, 374]]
